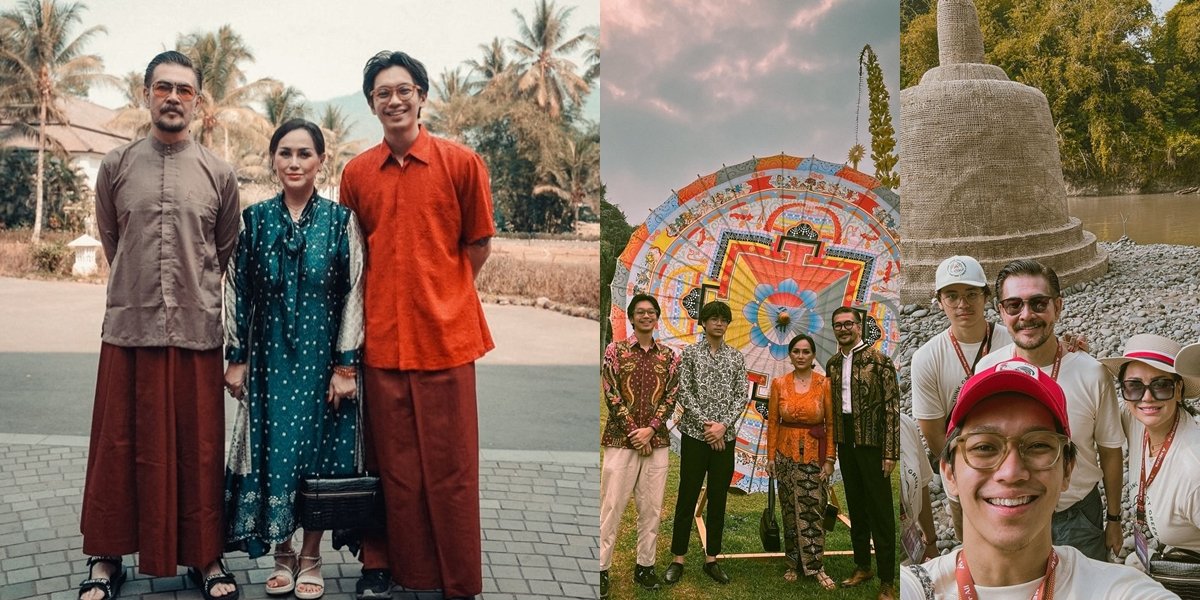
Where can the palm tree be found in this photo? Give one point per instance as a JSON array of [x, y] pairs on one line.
[[544, 72], [226, 96], [450, 104], [573, 171], [339, 149], [133, 116], [492, 69], [592, 57], [283, 104], [40, 64]]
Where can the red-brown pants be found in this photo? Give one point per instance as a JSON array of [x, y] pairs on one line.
[[155, 476], [422, 436]]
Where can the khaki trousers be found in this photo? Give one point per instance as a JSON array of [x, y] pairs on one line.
[[627, 472]]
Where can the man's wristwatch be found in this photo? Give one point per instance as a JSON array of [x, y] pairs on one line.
[[1113, 518]]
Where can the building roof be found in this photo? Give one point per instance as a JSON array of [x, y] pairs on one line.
[[88, 130]]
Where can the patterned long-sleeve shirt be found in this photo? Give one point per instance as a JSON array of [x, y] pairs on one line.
[[640, 387], [712, 387], [874, 400]]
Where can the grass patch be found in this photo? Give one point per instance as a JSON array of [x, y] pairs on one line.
[[575, 284], [759, 579]]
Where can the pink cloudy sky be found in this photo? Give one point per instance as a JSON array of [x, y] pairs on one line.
[[689, 85]]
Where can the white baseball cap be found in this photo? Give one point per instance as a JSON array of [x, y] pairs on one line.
[[959, 269]]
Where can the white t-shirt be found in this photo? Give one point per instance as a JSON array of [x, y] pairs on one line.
[[1091, 410], [915, 472], [937, 374], [847, 366], [1077, 578], [1173, 499]]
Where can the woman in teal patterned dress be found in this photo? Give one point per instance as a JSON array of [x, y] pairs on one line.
[[293, 322]]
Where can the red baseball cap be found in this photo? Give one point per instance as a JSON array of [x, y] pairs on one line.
[[1014, 376]]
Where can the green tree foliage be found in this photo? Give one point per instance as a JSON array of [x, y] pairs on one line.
[[225, 121], [615, 232], [883, 135], [517, 105], [18, 190], [1122, 85], [40, 64]]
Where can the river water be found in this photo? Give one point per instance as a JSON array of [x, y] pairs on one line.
[[1145, 218]]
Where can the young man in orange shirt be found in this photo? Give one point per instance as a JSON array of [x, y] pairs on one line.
[[425, 206]]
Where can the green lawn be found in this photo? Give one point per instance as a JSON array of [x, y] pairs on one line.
[[751, 578]]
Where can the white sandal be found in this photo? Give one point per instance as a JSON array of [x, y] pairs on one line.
[[283, 572], [310, 579]]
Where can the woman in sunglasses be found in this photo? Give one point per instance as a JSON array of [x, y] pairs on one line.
[[1164, 443]]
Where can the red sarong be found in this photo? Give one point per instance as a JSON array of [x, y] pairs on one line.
[[155, 474], [422, 436]]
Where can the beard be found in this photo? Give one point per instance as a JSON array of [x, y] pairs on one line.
[[1047, 333], [162, 124]]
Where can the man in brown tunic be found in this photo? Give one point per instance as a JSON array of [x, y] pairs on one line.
[[167, 211]]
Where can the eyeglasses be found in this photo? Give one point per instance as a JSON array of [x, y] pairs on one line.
[[163, 89], [1161, 388], [844, 324], [644, 312], [403, 92], [1037, 304], [955, 298], [1039, 450]]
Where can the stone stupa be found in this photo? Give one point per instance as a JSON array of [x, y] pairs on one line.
[[980, 169]]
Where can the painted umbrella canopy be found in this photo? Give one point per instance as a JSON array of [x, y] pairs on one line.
[[783, 240]]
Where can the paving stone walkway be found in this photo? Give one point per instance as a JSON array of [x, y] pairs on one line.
[[540, 514]]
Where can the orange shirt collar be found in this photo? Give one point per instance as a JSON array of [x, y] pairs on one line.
[[420, 149]]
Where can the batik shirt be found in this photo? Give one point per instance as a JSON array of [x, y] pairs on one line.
[[712, 387], [639, 388]]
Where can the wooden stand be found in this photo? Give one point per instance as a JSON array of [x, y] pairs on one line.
[[703, 530]]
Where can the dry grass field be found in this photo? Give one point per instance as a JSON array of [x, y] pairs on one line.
[[566, 272]]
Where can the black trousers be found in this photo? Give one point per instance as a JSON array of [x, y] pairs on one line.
[[869, 502], [696, 460]]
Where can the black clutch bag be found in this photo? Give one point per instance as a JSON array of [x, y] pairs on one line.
[[346, 502], [768, 527], [831, 512], [343, 502]]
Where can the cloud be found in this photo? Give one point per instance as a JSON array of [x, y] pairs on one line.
[[809, 16]]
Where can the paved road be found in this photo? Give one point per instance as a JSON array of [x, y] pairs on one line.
[[544, 371], [539, 471]]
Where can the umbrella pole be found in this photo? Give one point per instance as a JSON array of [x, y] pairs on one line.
[[702, 530]]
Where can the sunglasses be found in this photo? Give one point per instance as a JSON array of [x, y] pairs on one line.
[[1037, 304], [163, 89], [1161, 388]]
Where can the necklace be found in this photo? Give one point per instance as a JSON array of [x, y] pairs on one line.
[[295, 212]]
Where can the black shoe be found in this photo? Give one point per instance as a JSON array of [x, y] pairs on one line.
[[646, 577], [374, 584], [674, 573], [604, 584], [713, 569]]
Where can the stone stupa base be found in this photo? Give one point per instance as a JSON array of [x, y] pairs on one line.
[[1069, 250]]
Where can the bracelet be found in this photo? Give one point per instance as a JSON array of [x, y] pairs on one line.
[[1113, 518], [345, 370]]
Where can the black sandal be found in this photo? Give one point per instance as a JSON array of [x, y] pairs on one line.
[[206, 583], [111, 586]]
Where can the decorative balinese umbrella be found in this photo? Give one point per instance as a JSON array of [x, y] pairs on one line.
[[783, 240]]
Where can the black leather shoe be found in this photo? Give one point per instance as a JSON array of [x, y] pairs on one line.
[[713, 569], [646, 577], [604, 584], [674, 573]]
